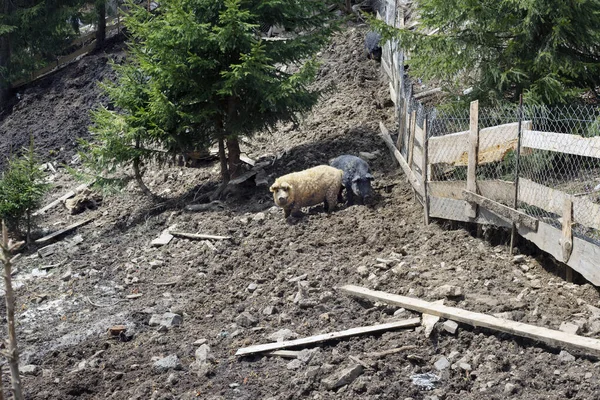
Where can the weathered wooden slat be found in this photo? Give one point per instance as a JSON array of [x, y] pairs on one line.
[[513, 215], [471, 209], [494, 143], [561, 142], [585, 212], [403, 164], [261, 348], [545, 335], [501, 191]]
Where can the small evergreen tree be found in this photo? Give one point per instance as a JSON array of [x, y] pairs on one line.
[[21, 189], [200, 73], [548, 50]]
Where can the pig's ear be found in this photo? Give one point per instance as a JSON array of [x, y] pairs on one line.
[[369, 177]]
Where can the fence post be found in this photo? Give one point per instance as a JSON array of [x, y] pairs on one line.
[[513, 233], [424, 174], [471, 208]]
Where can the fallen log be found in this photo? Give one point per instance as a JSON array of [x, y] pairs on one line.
[[409, 323], [548, 336]]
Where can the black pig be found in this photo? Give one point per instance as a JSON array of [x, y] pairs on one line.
[[356, 179], [372, 45]]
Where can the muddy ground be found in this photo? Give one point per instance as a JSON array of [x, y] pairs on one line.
[[275, 275]]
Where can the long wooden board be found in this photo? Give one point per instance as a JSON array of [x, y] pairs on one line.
[[548, 336], [585, 212], [261, 348], [494, 143], [69, 228], [513, 215], [403, 164], [561, 142], [496, 190]]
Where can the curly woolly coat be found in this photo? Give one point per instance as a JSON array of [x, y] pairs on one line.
[[308, 188]]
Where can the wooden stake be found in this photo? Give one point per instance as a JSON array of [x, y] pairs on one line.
[[548, 336], [471, 208]]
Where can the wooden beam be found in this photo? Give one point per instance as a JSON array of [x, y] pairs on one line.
[[494, 143], [424, 175], [567, 233], [545, 335], [585, 212], [69, 228], [513, 215], [562, 143], [403, 164], [471, 209], [497, 190], [196, 236], [261, 348], [411, 138]]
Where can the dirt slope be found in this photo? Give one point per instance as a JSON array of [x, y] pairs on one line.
[[275, 275]]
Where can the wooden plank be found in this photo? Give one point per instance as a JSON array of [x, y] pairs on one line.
[[403, 164], [585, 212], [545, 335], [497, 190], [494, 143], [198, 236], [454, 210], [585, 256], [567, 233], [471, 209], [411, 138], [562, 143], [69, 228], [513, 215], [64, 197], [261, 348], [425, 175]]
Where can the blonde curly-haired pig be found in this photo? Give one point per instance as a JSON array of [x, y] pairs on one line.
[[308, 188]]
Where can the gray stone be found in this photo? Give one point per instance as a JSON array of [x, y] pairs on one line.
[[281, 335], [307, 354], [29, 369], [294, 364], [167, 320], [165, 364], [252, 287], [448, 291], [510, 388], [442, 364], [66, 276], [362, 271], [203, 353], [246, 320], [259, 217], [565, 356], [343, 377], [569, 328], [450, 326], [269, 310]]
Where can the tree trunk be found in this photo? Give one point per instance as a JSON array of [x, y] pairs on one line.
[[233, 158], [223, 160], [13, 352], [101, 30], [4, 58]]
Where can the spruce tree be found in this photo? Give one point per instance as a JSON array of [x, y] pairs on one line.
[[548, 50], [200, 72]]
